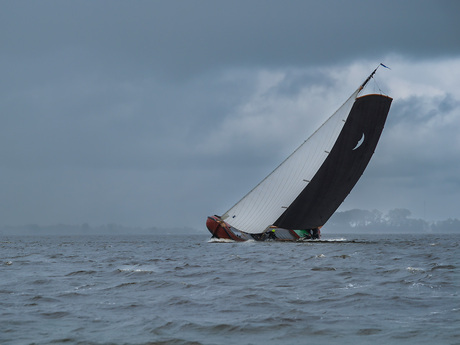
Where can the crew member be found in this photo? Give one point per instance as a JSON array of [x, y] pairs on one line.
[[316, 233]]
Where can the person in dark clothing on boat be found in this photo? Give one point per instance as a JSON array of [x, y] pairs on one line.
[[315, 233], [271, 234]]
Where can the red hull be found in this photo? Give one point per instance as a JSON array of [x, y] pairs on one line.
[[220, 229]]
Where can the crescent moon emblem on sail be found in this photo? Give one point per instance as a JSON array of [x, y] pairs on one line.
[[360, 142]]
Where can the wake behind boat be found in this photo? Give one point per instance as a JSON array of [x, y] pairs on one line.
[[302, 193]]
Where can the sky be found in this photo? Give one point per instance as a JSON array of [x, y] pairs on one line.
[[160, 113]]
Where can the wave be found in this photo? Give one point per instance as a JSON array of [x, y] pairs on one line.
[[81, 272], [138, 269], [220, 240]]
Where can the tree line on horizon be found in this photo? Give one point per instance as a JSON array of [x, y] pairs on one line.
[[397, 220], [87, 229]]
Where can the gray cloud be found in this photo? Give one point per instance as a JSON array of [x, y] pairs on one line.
[[126, 39]]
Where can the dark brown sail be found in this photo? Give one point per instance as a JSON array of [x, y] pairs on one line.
[[342, 168]]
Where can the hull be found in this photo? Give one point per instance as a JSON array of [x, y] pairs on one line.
[[221, 230]]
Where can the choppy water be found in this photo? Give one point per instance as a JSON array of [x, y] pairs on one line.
[[185, 290]]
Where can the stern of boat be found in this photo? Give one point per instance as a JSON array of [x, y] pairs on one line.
[[219, 229]]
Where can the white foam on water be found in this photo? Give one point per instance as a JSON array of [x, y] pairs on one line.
[[415, 269], [220, 240], [138, 269]]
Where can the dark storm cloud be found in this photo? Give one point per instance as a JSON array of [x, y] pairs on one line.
[[179, 38], [141, 112]]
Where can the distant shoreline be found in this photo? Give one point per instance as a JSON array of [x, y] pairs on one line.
[[110, 229], [355, 221]]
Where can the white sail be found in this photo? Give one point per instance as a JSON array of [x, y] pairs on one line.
[[262, 206]]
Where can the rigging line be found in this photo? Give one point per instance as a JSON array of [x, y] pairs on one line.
[[378, 86]]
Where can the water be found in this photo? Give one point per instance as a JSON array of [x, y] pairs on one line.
[[185, 290]]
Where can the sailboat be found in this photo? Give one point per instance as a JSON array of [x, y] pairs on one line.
[[297, 198]]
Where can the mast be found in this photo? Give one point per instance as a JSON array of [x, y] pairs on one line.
[[370, 76]]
